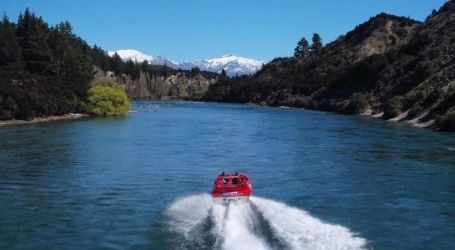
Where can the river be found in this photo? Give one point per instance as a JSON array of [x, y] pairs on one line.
[[320, 180]]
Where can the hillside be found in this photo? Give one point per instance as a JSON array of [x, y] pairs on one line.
[[46, 70], [43, 70], [389, 67]]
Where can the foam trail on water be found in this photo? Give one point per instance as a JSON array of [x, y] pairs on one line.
[[299, 230], [218, 215], [235, 226], [188, 212]]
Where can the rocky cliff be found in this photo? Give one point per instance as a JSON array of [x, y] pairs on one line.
[[163, 84]]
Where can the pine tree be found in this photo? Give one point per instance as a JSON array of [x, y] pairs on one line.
[[166, 70], [133, 69], [302, 48], [100, 58], [10, 52], [195, 71], [10, 66], [145, 66], [317, 42], [32, 33], [136, 71], [117, 65], [73, 58]]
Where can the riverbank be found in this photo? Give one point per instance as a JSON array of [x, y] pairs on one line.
[[419, 122], [69, 116]]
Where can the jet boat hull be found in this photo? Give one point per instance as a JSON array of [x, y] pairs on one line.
[[228, 200], [231, 188]]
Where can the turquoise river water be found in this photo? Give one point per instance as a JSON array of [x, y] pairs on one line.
[[320, 181]]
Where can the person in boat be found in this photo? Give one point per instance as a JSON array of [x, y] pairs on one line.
[[219, 183]]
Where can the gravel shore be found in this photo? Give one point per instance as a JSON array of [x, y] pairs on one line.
[[70, 116]]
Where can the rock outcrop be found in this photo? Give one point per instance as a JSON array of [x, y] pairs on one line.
[[164, 85]]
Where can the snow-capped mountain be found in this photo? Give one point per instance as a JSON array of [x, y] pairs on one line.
[[233, 65], [137, 56]]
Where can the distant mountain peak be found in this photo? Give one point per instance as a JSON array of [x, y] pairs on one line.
[[137, 56], [228, 55], [232, 64]]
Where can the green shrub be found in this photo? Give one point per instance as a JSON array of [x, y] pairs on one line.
[[433, 97], [263, 104], [415, 111], [358, 103], [447, 105], [393, 107], [107, 98], [6, 114], [415, 96]]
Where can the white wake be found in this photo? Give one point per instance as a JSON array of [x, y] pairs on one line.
[[234, 226], [299, 230], [188, 212]]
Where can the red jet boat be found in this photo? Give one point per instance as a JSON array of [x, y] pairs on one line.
[[231, 188]]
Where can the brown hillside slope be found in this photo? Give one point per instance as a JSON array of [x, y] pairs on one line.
[[388, 65]]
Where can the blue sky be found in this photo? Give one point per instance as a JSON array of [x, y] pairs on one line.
[[199, 29]]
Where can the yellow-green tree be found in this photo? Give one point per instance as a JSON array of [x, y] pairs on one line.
[[107, 98]]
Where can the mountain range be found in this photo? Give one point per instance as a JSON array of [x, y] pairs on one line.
[[232, 64]]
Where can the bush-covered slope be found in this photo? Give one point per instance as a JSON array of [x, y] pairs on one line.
[[46, 70], [388, 65], [43, 70]]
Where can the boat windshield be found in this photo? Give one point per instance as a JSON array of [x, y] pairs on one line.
[[232, 180]]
